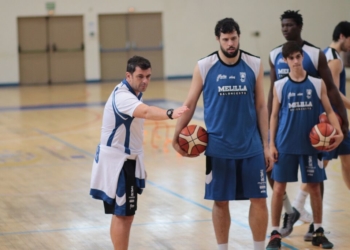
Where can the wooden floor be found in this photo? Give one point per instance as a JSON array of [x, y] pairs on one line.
[[48, 139]]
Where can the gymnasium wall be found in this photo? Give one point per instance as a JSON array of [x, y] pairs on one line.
[[188, 27]]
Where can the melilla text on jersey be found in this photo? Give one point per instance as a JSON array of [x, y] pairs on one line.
[[232, 90]]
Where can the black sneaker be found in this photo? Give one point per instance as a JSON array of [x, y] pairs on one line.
[[320, 240], [288, 222], [309, 234], [275, 241]]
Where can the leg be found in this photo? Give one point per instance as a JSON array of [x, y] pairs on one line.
[[258, 218], [345, 163], [279, 189], [277, 202], [316, 202], [221, 221], [120, 231], [318, 238], [299, 204]]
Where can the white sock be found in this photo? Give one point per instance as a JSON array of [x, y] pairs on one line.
[[259, 245], [299, 201], [317, 226], [223, 246], [275, 228], [286, 204]]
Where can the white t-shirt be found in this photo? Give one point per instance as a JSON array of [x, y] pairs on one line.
[[119, 128]]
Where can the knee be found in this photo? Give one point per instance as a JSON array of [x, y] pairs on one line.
[[313, 187], [126, 220], [279, 189], [221, 204], [261, 202]]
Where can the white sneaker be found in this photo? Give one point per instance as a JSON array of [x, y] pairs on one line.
[[305, 216]]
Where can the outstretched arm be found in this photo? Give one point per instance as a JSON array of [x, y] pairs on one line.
[[191, 102], [333, 93]]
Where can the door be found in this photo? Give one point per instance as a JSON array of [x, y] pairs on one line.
[[125, 35], [114, 46], [33, 50], [145, 36], [51, 49], [67, 49]]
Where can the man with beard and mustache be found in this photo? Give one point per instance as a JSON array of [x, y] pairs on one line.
[[315, 64], [298, 99], [235, 114]]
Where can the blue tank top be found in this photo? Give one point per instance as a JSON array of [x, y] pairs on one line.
[[310, 61], [332, 54], [229, 106], [300, 104]]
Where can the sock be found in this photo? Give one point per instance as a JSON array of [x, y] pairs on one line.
[[259, 245], [286, 204], [317, 226], [223, 246], [299, 202], [275, 228]]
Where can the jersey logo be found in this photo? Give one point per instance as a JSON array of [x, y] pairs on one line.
[[291, 94], [232, 90], [300, 106], [281, 61], [221, 77], [242, 75], [308, 93]]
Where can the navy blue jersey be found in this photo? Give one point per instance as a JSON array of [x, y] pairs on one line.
[[310, 61], [300, 104], [332, 54], [229, 106]]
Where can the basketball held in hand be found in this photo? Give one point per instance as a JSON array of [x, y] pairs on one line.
[[320, 136], [193, 139], [324, 119]]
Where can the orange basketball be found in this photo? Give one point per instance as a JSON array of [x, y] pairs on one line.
[[193, 139], [324, 119], [320, 136]]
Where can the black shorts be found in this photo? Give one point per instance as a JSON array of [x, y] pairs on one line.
[[125, 203]]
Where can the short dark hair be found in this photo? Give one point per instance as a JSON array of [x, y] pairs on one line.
[[290, 48], [226, 25], [291, 14], [137, 61], [342, 28]]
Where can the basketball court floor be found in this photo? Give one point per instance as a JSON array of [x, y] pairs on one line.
[[48, 139]]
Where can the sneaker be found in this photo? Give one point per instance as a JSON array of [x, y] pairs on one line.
[[305, 216], [308, 235], [275, 241], [288, 222], [320, 240]]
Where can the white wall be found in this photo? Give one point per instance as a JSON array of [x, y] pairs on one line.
[[188, 27]]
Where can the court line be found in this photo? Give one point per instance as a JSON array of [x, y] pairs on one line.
[[99, 227], [153, 184]]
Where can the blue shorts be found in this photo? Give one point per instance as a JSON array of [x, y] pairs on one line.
[[286, 168], [235, 179], [125, 203], [342, 149]]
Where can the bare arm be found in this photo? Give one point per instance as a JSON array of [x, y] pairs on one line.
[[331, 117], [336, 67], [154, 113], [333, 92], [273, 78], [262, 115], [191, 102], [273, 125]]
